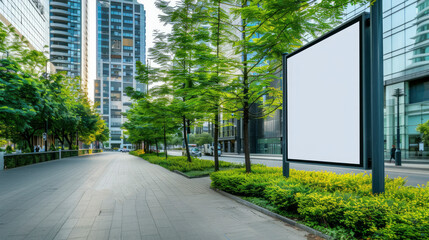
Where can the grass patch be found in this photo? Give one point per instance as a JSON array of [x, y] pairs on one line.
[[196, 168], [205, 172]]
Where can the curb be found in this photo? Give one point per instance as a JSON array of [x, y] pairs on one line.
[[183, 174], [274, 215]]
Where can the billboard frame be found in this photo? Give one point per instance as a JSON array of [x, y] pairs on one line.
[[364, 96]]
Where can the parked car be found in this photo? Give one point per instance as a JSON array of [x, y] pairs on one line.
[[195, 152], [123, 150]]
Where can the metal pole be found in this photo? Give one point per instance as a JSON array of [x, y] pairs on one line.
[[377, 89], [286, 166], [398, 136], [46, 140]]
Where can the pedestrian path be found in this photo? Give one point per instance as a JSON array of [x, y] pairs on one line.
[[119, 196]]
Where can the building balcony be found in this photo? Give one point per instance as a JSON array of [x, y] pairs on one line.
[[54, 53], [61, 32], [59, 4], [60, 61], [60, 11], [59, 47], [60, 39], [60, 18], [56, 26], [61, 69]]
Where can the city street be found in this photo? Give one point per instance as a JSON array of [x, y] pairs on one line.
[[415, 173], [119, 196]]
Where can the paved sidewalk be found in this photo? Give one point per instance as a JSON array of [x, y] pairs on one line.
[[119, 196]]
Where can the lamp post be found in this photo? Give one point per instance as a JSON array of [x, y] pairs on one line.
[[398, 93]]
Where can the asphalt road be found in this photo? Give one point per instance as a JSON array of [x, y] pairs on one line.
[[416, 174], [120, 196]]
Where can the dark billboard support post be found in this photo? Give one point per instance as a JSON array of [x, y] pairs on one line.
[[377, 143], [284, 129]]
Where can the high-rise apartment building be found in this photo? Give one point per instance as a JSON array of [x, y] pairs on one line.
[[30, 18], [121, 42], [69, 37]]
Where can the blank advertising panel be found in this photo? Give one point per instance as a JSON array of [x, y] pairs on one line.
[[323, 98]]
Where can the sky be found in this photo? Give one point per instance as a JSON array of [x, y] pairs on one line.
[[152, 23]]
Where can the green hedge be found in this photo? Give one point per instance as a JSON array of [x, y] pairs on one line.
[[182, 164], [18, 160], [337, 200]]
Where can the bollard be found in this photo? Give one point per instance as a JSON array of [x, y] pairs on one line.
[[2, 160], [60, 154]]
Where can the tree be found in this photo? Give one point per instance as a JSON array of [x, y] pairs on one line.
[[188, 48], [424, 130], [201, 139], [269, 29]]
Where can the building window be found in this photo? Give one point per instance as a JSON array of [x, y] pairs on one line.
[[419, 91]]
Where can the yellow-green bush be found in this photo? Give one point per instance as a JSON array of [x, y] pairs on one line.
[[337, 200]]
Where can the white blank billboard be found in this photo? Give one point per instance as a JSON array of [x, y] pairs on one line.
[[323, 100]]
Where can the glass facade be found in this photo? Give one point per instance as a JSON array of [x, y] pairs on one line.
[[30, 18], [121, 27], [68, 36]]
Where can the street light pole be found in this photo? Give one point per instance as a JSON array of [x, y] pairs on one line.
[[47, 118], [398, 93]]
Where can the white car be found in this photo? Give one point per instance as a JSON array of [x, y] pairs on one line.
[[123, 150]]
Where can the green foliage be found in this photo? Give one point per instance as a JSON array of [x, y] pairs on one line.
[[182, 164], [424, 130], [340, 202], [9, 149], [201, 139], [27, 150], [52, 147], [29, 99]]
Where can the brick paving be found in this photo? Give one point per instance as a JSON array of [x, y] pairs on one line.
[[119, 196]]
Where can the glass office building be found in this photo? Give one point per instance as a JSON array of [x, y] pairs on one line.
[[30, 18], [121, 28], [69, 37], [406, 67]]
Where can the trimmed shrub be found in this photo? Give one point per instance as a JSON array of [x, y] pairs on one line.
[[283, 194], [343, 201]]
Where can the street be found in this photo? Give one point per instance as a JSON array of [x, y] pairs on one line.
[[119, 196], [416, 174]]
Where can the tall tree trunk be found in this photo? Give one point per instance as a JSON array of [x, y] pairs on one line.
[[216, 123], [156, 144], [245, 98], [165, 143], [185, 132], [216, 141]]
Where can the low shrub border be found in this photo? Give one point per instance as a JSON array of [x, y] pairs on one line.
[[194, 169], [341, 205], [23, 159]]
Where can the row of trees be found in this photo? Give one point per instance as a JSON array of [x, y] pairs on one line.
[[32, 101], [223, 56]]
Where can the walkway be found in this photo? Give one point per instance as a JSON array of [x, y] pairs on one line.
[[119, 196]]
